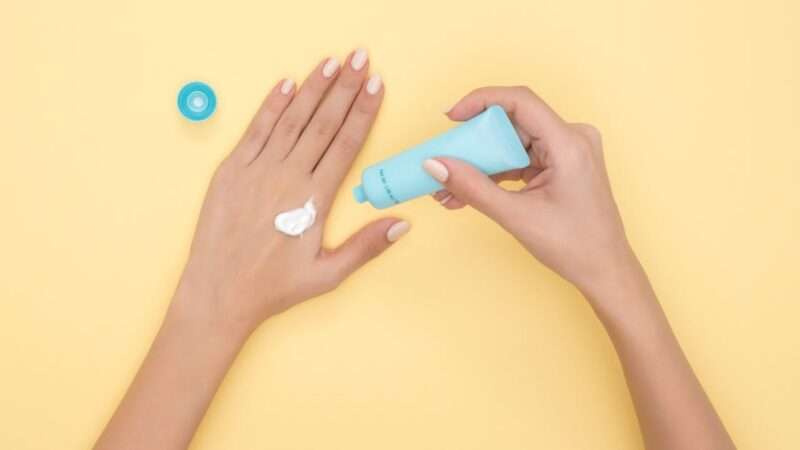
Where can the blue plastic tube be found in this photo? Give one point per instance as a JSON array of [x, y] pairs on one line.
[[488, 141]]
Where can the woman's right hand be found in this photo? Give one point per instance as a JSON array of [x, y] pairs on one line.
[[565, 215]]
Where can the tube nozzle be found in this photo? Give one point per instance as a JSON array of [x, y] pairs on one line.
[[359, 194]]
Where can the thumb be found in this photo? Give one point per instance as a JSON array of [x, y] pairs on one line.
[[469, 185], [367, 243]]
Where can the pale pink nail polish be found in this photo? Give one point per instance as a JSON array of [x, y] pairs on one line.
[[359, 59], [330, 67], [397, 230], [374, 84], [436, 169], [287, 86]]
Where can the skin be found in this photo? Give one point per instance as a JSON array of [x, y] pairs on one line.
[[566, 217], [302, 143], [240, 270]]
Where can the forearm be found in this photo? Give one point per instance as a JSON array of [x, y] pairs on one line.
[[175, 384], [673, 410]]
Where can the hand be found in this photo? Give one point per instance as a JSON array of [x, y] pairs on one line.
[[300, 145], [565, 215]]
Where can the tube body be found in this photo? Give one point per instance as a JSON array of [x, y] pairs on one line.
[[488, 141]]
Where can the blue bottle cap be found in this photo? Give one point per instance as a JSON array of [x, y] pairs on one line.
[[197, 101], [359, 194]]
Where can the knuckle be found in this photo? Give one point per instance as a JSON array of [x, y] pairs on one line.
[[592, 132], [351, 83], [315, 88], [324, 127], [470, 192], [274, 105], [331, 279], [250, 136], [349, 143], [587, 137], [367, 247], [523, 90], [364, 106], [598, 149], [291, 125], [373, 247], [330, 274]]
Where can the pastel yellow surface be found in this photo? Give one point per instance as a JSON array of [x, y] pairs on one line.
[[455, 338]]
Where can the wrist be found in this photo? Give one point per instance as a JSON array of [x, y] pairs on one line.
[[623, 292], [201, 314]]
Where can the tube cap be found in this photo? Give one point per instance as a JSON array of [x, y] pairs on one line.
[[359, 194], [197, 101]]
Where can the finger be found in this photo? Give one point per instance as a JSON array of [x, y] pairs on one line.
[[524, 107], [454, 203], [511, 175], [263, 122], [296, 116], [442, 196], [470, 186], [530, 173], [524, 137], [448, 200], [331, 113], [338, 159], [589, 132], [363, 246]]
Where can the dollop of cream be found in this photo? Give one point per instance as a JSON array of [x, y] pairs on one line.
[[296, 221]]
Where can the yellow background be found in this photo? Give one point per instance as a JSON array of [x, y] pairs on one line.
[[455, 338]]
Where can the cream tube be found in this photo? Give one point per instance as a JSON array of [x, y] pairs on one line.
[[488, 141]]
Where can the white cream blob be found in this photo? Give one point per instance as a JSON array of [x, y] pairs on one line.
[[296, 221]]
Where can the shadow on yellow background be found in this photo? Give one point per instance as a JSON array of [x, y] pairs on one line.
[[455, 338]]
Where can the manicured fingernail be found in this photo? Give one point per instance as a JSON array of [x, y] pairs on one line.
[[374, 84], [436, 169], [330, 67], [359, 59], [397, 230], [446, 199], [287, 86]]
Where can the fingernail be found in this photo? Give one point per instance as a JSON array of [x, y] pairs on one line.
[[359, 59], [374, 84], [397, 230], [287, 86], [447, 111], [446, 199], [436, 169], [330, 67]]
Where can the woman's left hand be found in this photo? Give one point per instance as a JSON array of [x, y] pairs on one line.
[[241, 270], [299, 146]]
